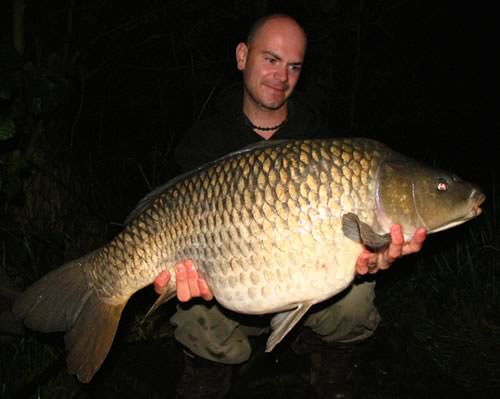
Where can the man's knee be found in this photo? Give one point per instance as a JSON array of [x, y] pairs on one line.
[[210, 334], [352, 317]]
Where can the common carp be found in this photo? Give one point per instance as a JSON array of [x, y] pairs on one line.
[[273, 228]]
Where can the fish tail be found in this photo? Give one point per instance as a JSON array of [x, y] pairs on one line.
[[64, 301]]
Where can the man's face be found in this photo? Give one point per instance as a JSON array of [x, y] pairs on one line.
[[272, 62]]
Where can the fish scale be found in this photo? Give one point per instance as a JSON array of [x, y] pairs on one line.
[[298, 243], [273, 228]]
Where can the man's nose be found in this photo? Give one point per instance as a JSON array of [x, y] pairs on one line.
[[281, 74]]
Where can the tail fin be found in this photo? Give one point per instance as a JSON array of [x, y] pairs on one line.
[[64, 301]]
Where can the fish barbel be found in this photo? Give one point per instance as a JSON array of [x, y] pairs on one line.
[[273, 228]]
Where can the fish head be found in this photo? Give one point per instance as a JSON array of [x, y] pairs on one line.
[[416, 195]]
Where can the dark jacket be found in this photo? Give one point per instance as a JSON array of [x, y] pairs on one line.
[[227, 130]]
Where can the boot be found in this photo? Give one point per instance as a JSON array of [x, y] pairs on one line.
[[203, 379], [331, 365]]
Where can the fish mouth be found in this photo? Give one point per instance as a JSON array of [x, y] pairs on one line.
[[477, 198], [476, 211]]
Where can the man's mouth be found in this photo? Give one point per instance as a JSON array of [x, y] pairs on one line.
[[277, 87]]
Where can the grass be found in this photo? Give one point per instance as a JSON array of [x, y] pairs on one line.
[[451, 305]]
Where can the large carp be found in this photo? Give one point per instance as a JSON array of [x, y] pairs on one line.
[[273, 228]]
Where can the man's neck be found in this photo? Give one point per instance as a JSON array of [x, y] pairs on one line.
[[266, 135], [265, 118]]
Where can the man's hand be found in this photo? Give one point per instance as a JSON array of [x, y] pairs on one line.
[[371, 262], [189, 284]]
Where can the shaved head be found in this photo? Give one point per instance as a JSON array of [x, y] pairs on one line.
[[261, 22]]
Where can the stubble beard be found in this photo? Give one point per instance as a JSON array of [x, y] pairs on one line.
[[268, 105]]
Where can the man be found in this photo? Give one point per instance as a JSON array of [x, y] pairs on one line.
[[271, 62]]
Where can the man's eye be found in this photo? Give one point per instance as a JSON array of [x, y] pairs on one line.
[[271, 60], [295, 68]]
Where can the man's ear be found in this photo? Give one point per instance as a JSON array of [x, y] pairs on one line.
[[241, 55]]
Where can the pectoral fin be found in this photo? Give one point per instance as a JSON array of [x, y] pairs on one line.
[[283, 322], [165, 297], [359, 231]]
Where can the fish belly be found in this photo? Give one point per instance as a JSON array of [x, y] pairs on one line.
[[273, 281]]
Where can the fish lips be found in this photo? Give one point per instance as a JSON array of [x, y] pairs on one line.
[[477, 198]]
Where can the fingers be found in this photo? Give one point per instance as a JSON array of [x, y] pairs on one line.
[[181, 275], [205, 292], [362, 262], [395, 249], [371, 262], [416, 243], [192, 278], [161, 282], [189, 284]]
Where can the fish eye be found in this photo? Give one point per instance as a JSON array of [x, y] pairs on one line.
[[442, 186]]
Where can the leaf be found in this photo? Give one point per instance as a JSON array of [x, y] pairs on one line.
[[7, 128]]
